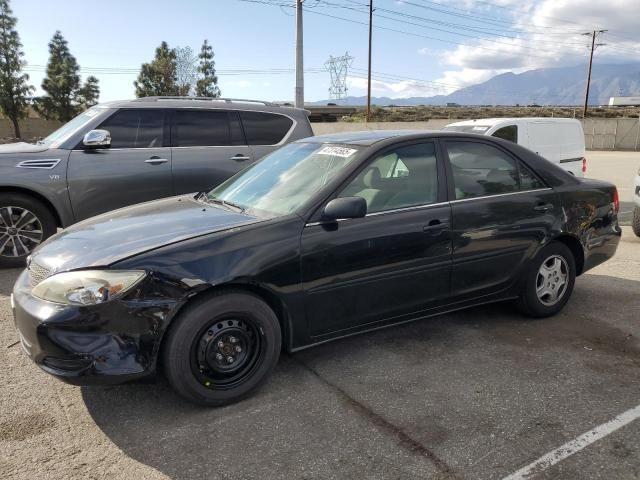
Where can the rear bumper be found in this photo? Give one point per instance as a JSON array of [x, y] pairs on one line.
[[104, 344], [601, 245]]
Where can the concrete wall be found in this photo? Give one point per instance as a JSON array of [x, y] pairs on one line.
[[30, 128], [599, 133]]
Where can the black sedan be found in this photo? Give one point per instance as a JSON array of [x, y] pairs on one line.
[[327, 237]]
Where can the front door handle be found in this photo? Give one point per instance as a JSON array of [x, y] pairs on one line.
[[156, 160], [435, 224], [543, 207], [240, 158]]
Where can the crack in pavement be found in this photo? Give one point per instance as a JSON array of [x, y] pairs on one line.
[[404, 439]]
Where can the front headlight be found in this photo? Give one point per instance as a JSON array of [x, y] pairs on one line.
[[87, 287]]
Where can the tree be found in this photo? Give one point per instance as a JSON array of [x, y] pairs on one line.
[[186, 70], [207, 85], [14, 89], [158, 77], [88, 95], [65, 98]]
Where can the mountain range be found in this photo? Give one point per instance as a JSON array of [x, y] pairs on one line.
[[543, 86]]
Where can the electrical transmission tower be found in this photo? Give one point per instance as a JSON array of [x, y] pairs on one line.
[[338, 68]]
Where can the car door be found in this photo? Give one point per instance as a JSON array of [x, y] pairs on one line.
[[208, 147], [136, 168], [393, 262], [265, 131], [501, 211]]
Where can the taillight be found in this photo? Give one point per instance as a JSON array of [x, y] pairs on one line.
[[584, 165], [616, 200]]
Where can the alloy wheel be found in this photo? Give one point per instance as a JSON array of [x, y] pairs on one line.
[[20, 231]]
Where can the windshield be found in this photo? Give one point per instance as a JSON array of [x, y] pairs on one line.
[[480, 129], [285, 180], [69, 128]]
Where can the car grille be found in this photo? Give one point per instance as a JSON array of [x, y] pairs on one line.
[[37, 274]]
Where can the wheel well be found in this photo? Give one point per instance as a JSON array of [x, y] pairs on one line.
[[269, 298], [37, 196], [576, 248]]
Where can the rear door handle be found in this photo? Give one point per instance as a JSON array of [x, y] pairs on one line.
[[156, 160], [543, 207], [240, 158]]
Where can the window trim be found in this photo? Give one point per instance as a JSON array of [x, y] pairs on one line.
[[449, 169]]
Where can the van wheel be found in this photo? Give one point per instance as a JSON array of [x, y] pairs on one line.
[[635, 223], [221, 348], [24, 224], [549, 282]]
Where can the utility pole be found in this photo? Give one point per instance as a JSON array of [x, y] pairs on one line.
[[369, 72], [593, 34], [299, 101]]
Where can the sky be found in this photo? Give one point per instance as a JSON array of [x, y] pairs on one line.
[[420, 47]]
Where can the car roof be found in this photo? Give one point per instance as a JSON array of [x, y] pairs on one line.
[[202, 102], [490, 122], [368, 137]]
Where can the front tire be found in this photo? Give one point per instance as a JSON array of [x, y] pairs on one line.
[[25, 223], [549, 281], [221, 348], [635, 223]]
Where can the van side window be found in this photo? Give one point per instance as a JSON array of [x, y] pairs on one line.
[[509, 132], [265, 128], [135, 128]]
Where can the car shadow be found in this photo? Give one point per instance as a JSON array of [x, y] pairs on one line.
[[8, 277], [300, 426]]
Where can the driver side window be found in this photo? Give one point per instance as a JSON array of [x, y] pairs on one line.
[[135, 128], [404, 177]]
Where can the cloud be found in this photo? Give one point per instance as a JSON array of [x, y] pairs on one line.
[[546, 33], [426, 51], [397, 89]]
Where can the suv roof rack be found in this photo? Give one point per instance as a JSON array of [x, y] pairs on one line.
[[211, 99]]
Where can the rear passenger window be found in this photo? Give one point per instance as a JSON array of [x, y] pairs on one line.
[[265, 128], [402, 178], [480, 170], [135, 128], [202, 128], [528, 181], [507, 133]]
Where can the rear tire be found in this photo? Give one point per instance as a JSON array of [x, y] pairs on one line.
[[25, 223], [635, 223], [221, 348], [549, 281]]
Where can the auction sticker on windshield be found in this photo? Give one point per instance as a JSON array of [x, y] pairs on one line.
[[338, 151]]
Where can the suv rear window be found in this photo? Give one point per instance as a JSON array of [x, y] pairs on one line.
[[135, 128], [265, 128], [203, 128]]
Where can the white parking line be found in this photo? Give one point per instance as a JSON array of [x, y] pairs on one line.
[[575, 445]]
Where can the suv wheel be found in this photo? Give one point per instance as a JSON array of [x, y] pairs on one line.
[[549, 281], [221, 348], [635, 223], [24, 224]]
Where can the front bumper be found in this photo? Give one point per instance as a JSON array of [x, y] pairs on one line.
[[110, 343]]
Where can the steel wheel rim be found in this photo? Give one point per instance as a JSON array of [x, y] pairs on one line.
[[20, 231], [226, 353], [552, 280]]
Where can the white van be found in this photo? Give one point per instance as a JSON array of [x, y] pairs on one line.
[[560, 140]]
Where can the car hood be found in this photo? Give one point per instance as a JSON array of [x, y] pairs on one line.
[[114, 236], [22, 147]]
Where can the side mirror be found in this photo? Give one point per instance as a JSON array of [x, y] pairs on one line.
[[346, 207], [97, 139]]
